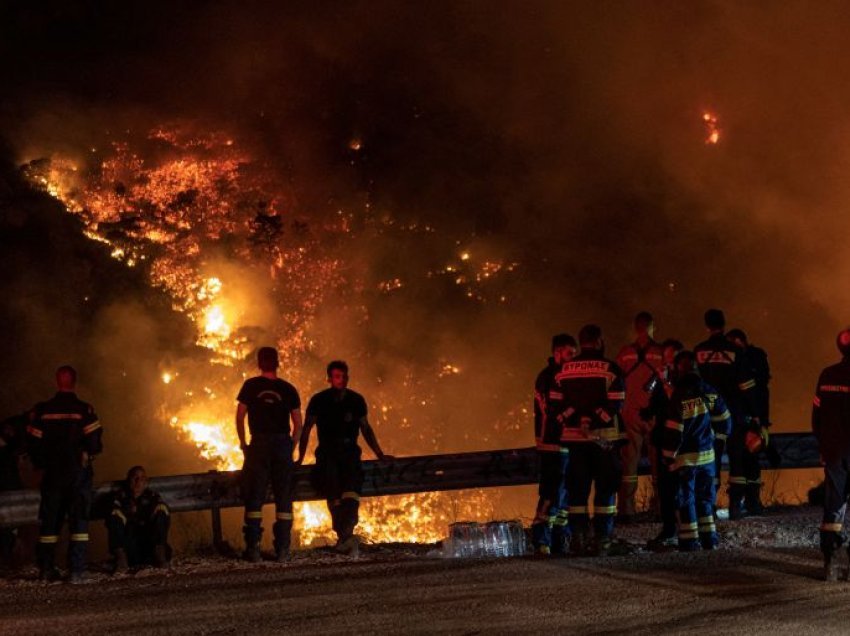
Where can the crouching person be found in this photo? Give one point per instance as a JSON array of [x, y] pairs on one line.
[[138, 525], [697, 413]]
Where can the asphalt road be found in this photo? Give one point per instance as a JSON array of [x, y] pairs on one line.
[[740, 591]]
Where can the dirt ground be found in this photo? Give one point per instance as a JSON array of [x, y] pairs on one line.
[[764, 579]]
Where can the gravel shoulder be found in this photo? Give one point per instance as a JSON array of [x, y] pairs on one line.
[[765, 578]]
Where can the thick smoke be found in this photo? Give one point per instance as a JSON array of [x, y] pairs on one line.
[[563, 137]]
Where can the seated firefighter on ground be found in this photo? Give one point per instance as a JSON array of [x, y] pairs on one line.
[[138, 524]]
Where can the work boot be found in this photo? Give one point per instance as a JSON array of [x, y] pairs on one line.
[[753, 502], [736, 511], [830, 567], [349, 546], [49, 574], [542, 552], [662, 543], [578, 545], [160, 556], [252, 553], [121, 564], [601, 547], [79, 578], [283, 555]]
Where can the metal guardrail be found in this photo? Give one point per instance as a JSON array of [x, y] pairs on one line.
[[487, 469]]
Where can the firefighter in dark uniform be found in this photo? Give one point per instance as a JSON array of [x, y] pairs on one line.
[[340, 415], [696, 414], [668, 485], [63, 435], [831, 426], [550, 531], [724, 366], [589, 414], [270, 404], [760, 371], [138, 524], [641, 362]]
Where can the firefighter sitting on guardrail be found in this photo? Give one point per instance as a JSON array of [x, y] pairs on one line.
[[340, 415], [138, 524]]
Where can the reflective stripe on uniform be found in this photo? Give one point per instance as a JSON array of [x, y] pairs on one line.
[[830, 527], [254, 514], [834, 388], [61, 416], [80, 536], [48, 538], [746, 386], [550, 448], [350, 495], [720, 436], [632, 479], [162, 508], [725, 415], [673, 425], [35, 432], [578, 510], [283, 516], [688, 534], [816, 401], [604, 510], [120, 515], [695, 459], [91, 428], [617, 395], [738, 481]]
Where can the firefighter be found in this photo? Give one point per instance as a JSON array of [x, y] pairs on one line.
[[831, 426], [697, 413], [642, 363], [589, 414], [723, 365], [550, 530], [760, 370], [667, 482], [138, 524], [271, 404], [340, 415], [63, 436]]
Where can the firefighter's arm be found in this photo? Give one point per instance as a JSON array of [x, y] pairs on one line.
[[816, 429], [241, 412], [671, 439], [92, 435], [304, 439], [747, 385], [372, 440], [721, 419], [615, 398], [297, 425]]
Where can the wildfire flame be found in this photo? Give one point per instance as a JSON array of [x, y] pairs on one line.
[[712, 127]]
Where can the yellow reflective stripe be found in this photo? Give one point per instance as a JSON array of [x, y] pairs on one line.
[[162, 508], [738, 481], [674, 425], [745, 386], [754, 482], [578, 510], [80, 536], [632, 479], [707, 527], [61, 416], [283, 516], [708, 519], [350, 494], [91, 428], [695, 459], [690, 534], [830, 527], [254, 514], [48, 538], [608, 434], [720, 436], [119, 514], [605, 510], [35, 432], [690, 525]]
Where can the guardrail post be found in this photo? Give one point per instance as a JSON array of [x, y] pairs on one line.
[[218, 540]]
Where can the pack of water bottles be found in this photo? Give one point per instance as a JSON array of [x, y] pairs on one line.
[[472, 540]]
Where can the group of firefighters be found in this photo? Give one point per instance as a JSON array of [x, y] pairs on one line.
[[594, 419], [62, 436]]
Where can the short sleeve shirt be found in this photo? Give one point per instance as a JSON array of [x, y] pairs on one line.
[[338, 416], [269, 403]]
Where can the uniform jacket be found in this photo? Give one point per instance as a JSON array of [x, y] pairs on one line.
[[137, 511], [640, 366], [831, 411], [591, 390], [547, 431], [696, 416], [60, 430], [724, 366]]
